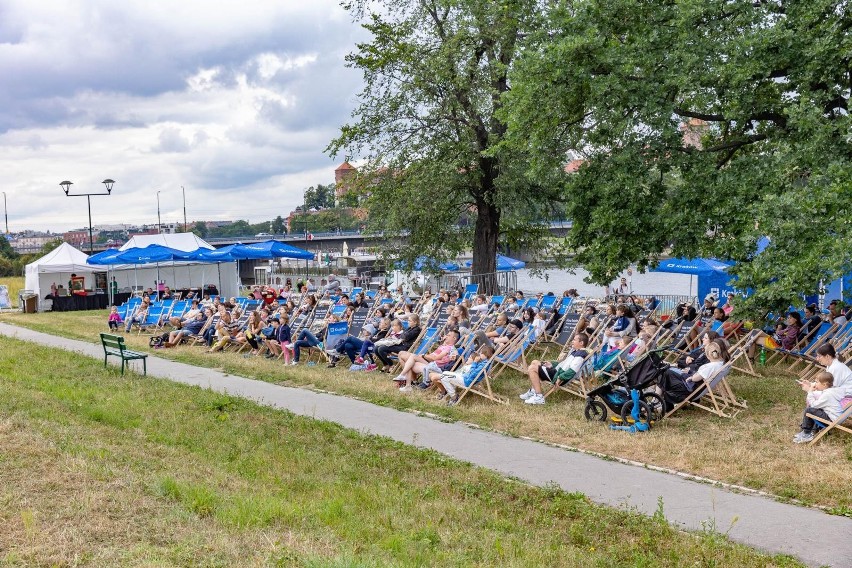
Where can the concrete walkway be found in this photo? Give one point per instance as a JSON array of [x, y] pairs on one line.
[[808, 534]]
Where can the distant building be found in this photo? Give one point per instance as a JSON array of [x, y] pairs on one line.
[[77, 238], [34, 243]]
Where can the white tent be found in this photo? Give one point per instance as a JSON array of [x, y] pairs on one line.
[[176, 274], [57, 267], [180, 241]]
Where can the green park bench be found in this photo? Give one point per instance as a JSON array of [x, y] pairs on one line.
[[114, 345]]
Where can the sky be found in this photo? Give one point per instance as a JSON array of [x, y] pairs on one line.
[[234, 101]]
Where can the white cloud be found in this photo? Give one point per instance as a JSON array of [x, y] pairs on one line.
[[234, 101]]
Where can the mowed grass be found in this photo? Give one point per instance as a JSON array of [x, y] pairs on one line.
[[100, 469], [754, 449]]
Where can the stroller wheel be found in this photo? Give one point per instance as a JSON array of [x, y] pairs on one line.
[[655, 405], [595, 410], [646, 414]]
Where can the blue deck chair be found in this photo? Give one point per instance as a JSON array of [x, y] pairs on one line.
[[371, 294], [153, 319], [338, 310], [547, 303], [513, 355], [337, 333], [805, 345], [470, 291]]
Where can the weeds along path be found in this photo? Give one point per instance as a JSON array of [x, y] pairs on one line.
[[753, 520]]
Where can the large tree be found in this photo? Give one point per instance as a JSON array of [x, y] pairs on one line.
[[704, 125], [429, 126]]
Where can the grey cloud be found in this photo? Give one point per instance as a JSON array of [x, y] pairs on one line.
[[171, 140]]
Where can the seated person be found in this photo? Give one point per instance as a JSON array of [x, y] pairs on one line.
[[812, 321], [823, 400], [480, 304], [438, 361], [604, 360], [465, 377], [226, 332], [358, 349], [643, 343], [624, 326], [688, 364], [673, 388], [785, 336], [279, 343], [384, 352], [178, 322], [553, 371], [192, 327], [309, 339], [494, 340], [140, 314]]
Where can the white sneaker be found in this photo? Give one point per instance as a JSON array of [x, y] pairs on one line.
[[294, 363], [399, 379], [406, 389], [806, 437], [527, 395], [799, 435], [535, 399]]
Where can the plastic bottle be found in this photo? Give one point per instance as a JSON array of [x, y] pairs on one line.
[[762, 356]]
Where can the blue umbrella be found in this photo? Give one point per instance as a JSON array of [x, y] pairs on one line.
[[271, 249], [224, 254], [150, 254], [505, 263], [104, 258]]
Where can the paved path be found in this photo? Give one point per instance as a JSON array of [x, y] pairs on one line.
[[815, 537]]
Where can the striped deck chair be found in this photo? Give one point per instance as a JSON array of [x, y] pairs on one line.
[[829, 426]]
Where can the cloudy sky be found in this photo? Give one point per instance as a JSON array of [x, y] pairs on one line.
[[235, 101]]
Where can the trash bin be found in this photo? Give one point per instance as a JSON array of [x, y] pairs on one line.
[[30, 303]]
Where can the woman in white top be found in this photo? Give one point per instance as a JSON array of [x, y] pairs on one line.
[[674, 389]]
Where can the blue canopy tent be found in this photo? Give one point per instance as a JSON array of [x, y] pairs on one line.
[[270, 249], [712, 274], [427, 263]]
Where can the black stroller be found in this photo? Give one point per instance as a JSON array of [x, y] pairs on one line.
[[614, 396]]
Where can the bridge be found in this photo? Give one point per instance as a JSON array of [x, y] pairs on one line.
[[327, 242]]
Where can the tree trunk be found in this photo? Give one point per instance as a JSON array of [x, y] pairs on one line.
[[484, 268]]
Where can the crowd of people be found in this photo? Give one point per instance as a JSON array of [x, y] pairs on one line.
[[471, 330]]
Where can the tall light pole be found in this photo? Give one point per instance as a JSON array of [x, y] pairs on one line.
[[5, 213], [159, 227], [66, 187], [305, 215], [183, 193]]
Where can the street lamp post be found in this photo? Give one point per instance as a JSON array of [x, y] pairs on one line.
[[66, 187], [183, 193], [159, 227]]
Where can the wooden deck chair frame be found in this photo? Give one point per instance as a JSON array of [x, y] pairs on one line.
[[481, 386], [580, 385], [829, 426], [708, 389], [513, 354]]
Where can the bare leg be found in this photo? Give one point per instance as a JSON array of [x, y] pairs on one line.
[[532, 373]]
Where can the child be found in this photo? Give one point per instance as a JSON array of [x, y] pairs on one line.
[[822, 401], [114, 319], [471, 372]]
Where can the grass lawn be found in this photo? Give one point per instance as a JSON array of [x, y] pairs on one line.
[[15, 284], [754, 450], [105, 470]]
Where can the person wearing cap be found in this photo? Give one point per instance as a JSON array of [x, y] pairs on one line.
[[709, 305]]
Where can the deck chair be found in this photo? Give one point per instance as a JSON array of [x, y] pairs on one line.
[[582, 382], [199, 337], [810, 341], [829, 426], [337, 333], [513, 355], [481, 386], [153, 318], [706, 397]]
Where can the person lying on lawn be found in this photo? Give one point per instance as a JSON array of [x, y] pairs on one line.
[[466, 376], [553, 371], [438, 361]]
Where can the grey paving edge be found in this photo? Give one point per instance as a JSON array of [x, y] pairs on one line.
[[815, 537]]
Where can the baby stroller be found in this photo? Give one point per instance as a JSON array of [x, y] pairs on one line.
[[614, 396]]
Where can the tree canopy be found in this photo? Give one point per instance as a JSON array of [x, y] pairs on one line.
[[702, 125], [429, 124]]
